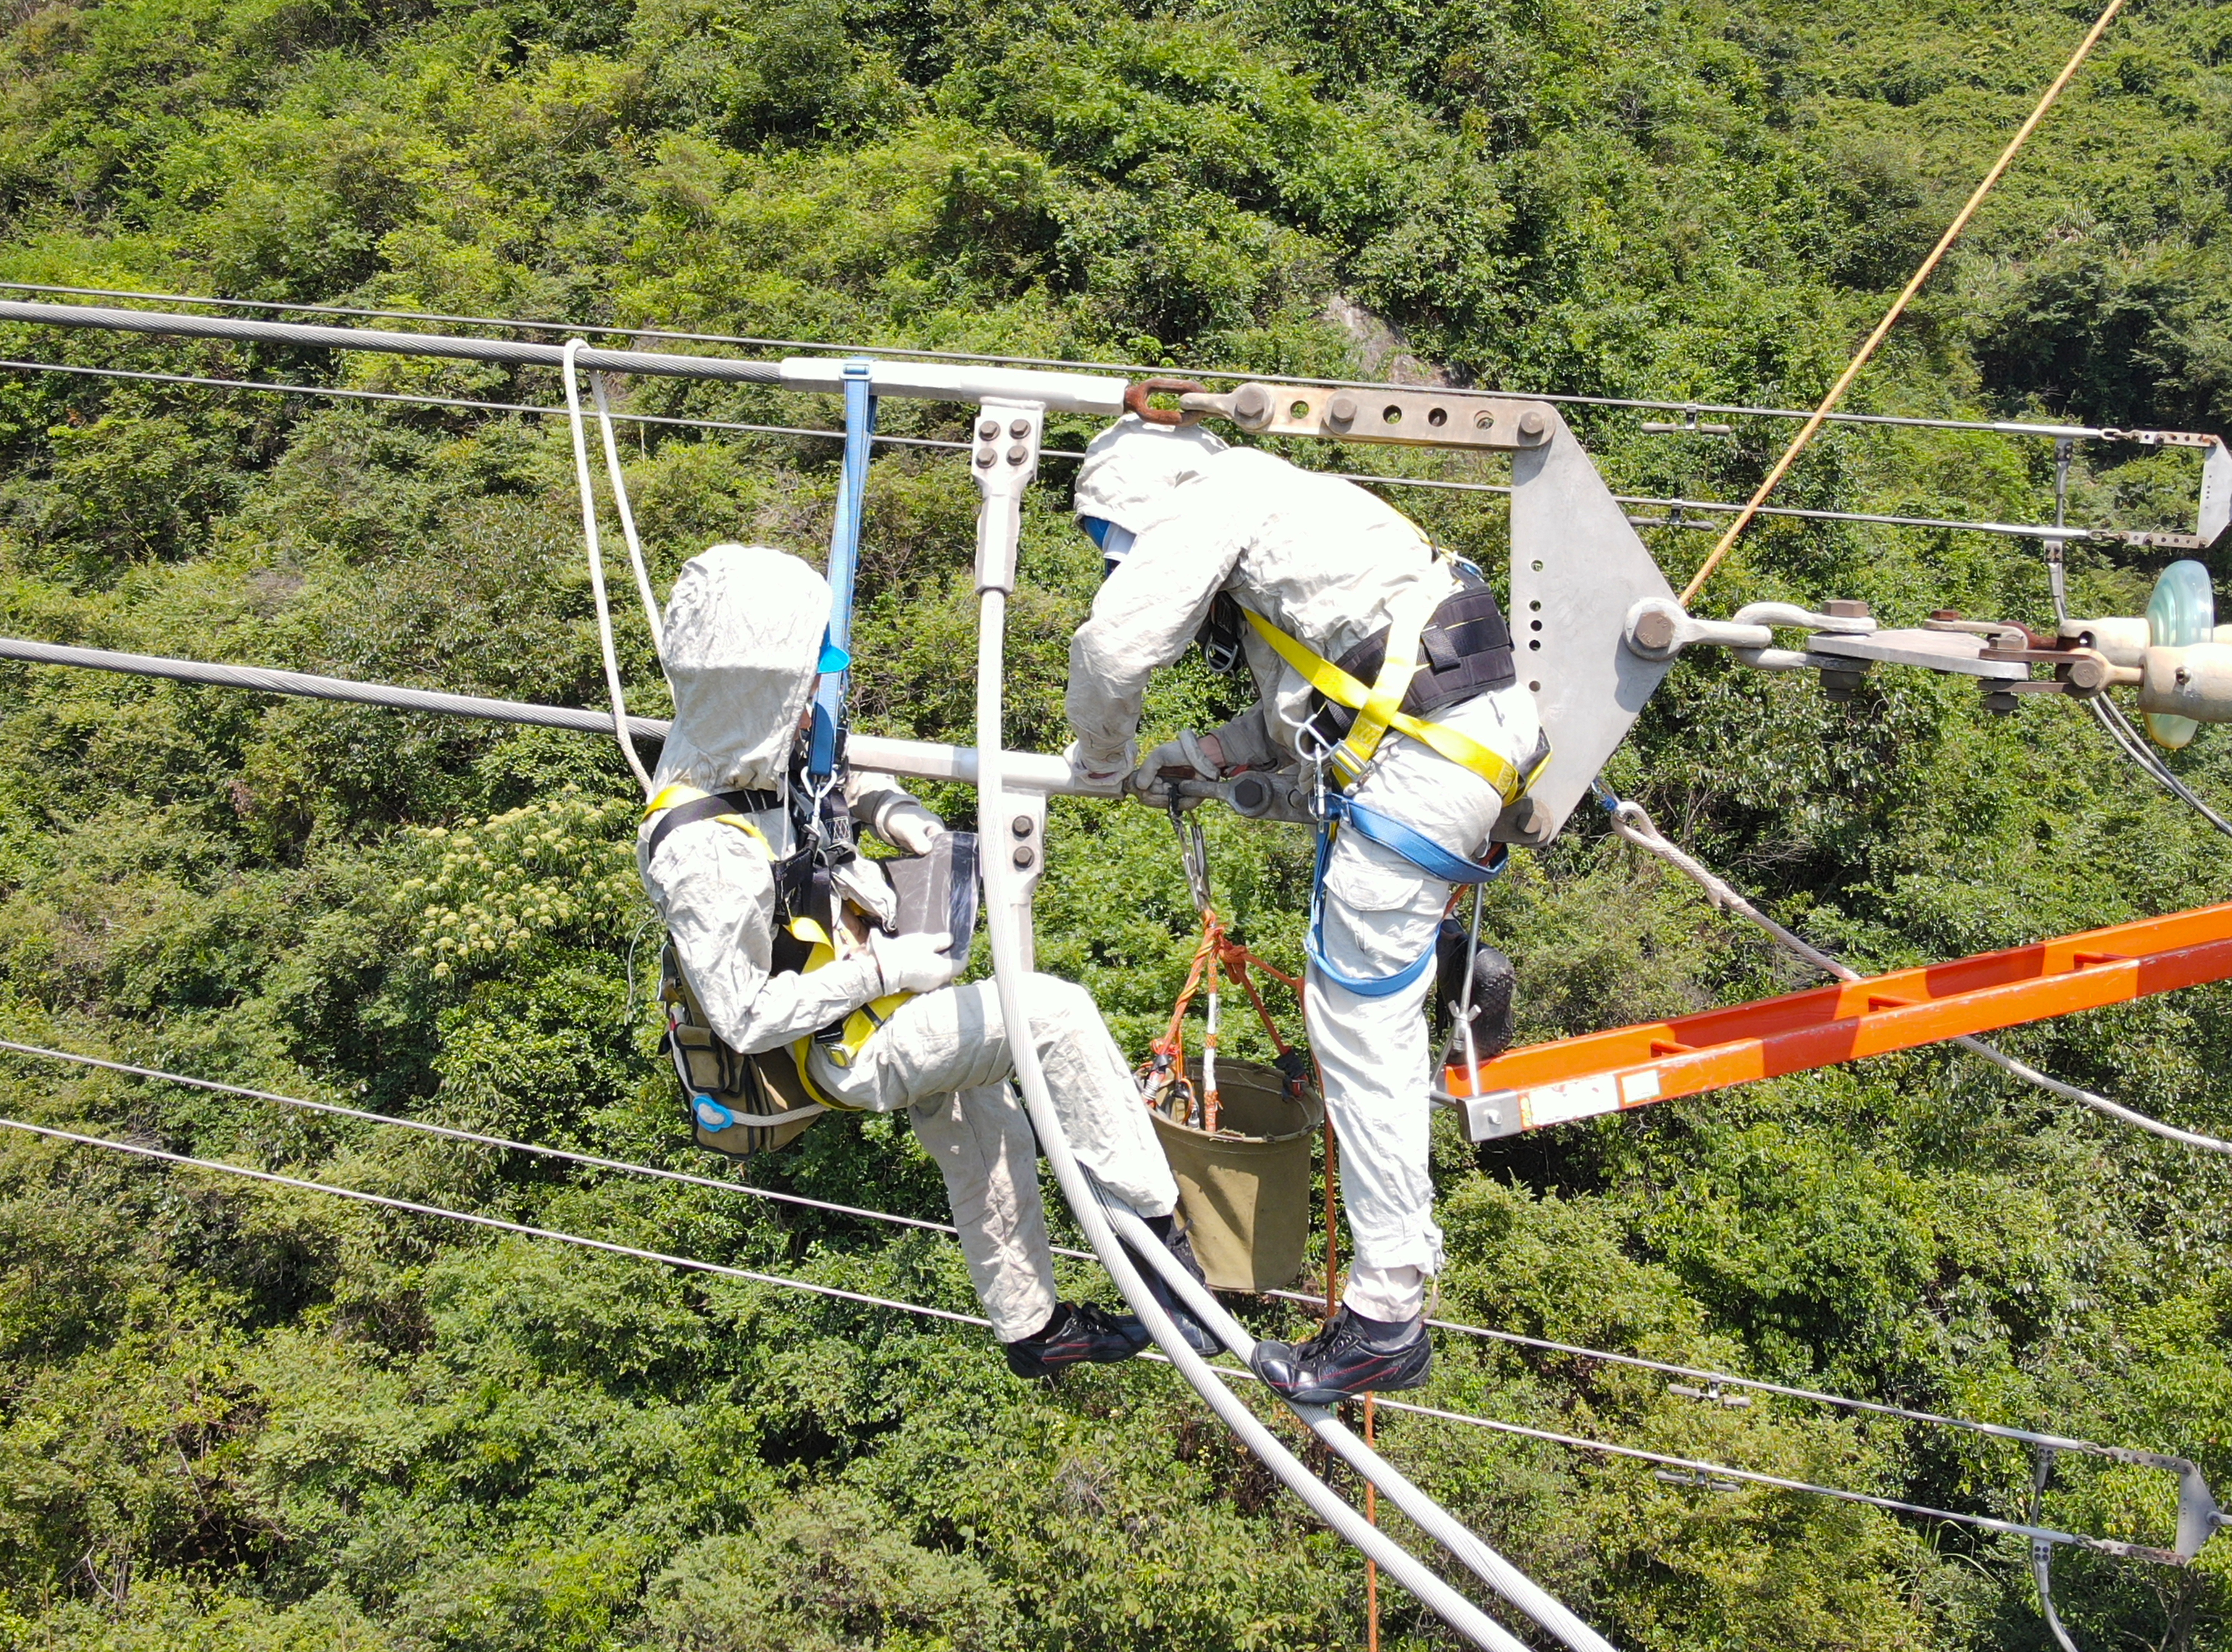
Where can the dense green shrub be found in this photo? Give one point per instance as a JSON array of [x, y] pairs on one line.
[[241, 1416]]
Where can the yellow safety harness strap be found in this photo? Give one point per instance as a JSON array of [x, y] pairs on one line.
[[1406, 621], [1342, 689]]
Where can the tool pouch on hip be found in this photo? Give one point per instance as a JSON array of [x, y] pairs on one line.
[[735, 1104]]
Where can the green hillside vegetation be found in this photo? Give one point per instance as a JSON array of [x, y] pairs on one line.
[[243, 1417]]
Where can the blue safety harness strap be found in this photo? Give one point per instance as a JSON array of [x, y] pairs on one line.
[[1413, 846]]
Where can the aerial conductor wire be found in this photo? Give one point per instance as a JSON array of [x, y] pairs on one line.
[[1821, 414]]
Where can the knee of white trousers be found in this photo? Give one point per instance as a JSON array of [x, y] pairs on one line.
[[1387, 1293], [1058, 1010]]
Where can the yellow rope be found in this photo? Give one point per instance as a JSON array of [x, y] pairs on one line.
[[1898, 305]]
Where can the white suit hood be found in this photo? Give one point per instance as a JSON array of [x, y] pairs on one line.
[[1132, 466], [744, 650]]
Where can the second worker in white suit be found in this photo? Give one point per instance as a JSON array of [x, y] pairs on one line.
[[1302, 571], [719, 854]]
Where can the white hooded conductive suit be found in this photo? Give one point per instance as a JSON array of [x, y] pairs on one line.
[[1325, 561], [744, 638]]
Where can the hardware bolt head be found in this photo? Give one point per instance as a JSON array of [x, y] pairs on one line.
[[984, 458], [1654, 631], [1532, 424], [1843, 608], [1020, 429], [1251, 404], [1023, 857], [1021, 826], [988, 429], [1341, 410], [1018, 453]]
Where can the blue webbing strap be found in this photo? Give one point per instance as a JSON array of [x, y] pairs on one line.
[[826, 746], [1413, 846]]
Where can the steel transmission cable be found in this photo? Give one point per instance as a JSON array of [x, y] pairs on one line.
[[2000, 426], [598, 1162], [413, 1207], [1630, 822], [924, 1311], [1465, 1419], [2021, 530], [476, 1138]]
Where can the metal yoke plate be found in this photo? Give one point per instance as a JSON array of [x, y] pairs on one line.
[[1577, 568], [1958, 652], [1457, 419]]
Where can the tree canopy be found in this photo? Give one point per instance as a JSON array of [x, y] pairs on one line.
[[248, 1416]]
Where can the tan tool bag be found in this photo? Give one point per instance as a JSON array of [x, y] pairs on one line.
[[758, 1102]]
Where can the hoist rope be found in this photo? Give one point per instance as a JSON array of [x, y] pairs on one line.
[[593, 1160], [2008, 530], [1814, 420], [1999, 427], [618, 480], [621, 733], [1630, 823]]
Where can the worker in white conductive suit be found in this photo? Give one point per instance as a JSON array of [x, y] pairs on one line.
[[778, 946], [1385, 672]]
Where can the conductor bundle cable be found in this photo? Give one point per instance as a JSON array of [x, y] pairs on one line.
[[2009, 530], [2003, 427], [1007, 908], [1690, 1466], [718, 368]]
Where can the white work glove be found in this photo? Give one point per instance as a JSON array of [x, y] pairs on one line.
[[1096, 773], [1184, 754], [914, 963], [907, 824]]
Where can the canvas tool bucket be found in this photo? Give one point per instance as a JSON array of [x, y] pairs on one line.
[[1246, 1189]]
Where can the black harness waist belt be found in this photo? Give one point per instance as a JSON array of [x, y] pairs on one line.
[[1464, 651], [723, 802]]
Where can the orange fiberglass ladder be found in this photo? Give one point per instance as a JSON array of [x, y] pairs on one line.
[[1605, 1072]]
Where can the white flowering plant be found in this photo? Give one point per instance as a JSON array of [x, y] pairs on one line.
[[560, 869]]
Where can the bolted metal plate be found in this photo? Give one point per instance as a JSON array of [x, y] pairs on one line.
[[1956, 652], [2215, 514], [1577, 568], [1409, 418]]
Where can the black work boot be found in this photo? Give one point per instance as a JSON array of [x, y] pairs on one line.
[[1081, 1331], [1351, 1355], [1198, 1337]]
